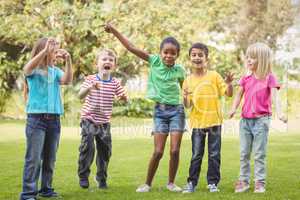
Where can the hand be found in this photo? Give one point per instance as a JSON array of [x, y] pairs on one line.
[[283, 118], [62, 54], [186, 93], [124, 98], [94, 85], [231, 113], [229, 78], [50, 45], [108, 27]]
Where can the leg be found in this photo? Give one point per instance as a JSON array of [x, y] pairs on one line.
[[86, 149], [198, 144], [246, 139], [260, 132], [159, 146], [214, 155], [174, 154], [49, 154], [35, 137], [103, 144]]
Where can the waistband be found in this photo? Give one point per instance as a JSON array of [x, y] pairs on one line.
[[44, 115]]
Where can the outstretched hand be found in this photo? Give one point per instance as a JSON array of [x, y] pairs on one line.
[[229, 77]]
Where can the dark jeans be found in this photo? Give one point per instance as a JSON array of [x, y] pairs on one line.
[[101, 133], [214, 156], [42, 140]]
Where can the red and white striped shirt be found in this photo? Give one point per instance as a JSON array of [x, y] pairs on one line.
[[98, 103]]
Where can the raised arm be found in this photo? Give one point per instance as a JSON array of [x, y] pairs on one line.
[[68, 75], [37, 59], [126, 43], [236, 102]]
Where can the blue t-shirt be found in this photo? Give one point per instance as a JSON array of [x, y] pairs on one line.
[[44, 91]]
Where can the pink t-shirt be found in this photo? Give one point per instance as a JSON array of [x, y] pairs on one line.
[[257, 95]]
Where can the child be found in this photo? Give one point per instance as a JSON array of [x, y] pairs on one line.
[[202, 91], [256, 114], [98, 91], [44, 107], [164, 83]]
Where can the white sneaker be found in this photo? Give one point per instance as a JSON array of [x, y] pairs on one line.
[[173, 188], [213, 188], [143, 188]]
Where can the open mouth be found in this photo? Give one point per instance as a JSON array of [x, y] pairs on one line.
[[107, 67]]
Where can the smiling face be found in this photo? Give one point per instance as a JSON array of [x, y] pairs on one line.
[[106, 62], [169, 54], [198, 58], [251, 63]]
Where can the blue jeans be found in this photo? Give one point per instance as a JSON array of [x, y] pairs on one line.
[[168, 118], [42, 139], [253, 137], [214, 155]]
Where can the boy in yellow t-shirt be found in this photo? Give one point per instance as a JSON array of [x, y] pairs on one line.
[[202, 92]]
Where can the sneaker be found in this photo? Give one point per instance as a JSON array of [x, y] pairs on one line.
[[48, 193], [213, 188], [173, 188], [259, 187], [101, 184], [84, 183], [241, 186], [188, 188], [143, 188]]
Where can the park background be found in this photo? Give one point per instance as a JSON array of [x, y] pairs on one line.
[[226, 26]]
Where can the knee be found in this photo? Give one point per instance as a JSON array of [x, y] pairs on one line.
[[174, 153], [157, 155]]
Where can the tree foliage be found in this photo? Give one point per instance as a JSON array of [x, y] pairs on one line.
[[78, 24]]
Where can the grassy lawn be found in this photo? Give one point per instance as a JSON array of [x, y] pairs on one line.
[[129, 163]]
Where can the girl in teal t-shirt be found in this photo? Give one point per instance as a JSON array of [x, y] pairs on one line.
[[44, 107], [164, 82]]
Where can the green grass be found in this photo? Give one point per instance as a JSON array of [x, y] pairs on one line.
[[129, 163]]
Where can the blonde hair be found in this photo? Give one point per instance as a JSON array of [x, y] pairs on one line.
[[108, 51], [263, 54]]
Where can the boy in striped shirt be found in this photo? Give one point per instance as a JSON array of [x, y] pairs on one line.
[[98, 91]]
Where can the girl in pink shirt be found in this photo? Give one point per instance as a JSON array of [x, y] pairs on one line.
[[257, 89]]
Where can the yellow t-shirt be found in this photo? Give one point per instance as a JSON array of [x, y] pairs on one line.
[[206, 98]]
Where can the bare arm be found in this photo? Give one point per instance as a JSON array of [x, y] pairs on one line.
[[83, 92], [126, 43], [228, 81], [68, 75], [276, 99], [236, 102], [36, 60], [187, 99]]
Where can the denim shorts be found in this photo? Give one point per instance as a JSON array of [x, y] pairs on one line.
[[168, 118]]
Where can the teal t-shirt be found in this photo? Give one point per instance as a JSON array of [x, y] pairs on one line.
[[44, 91], [163, 81]]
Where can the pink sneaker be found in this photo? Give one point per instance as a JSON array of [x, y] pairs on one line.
[[259, 187], [241, 186]]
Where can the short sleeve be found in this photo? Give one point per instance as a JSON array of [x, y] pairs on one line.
[[182, 73], [119, 90], [154, 60], [221, 85], [242, 81], [272, 82], [59, 73], [87, 82]]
